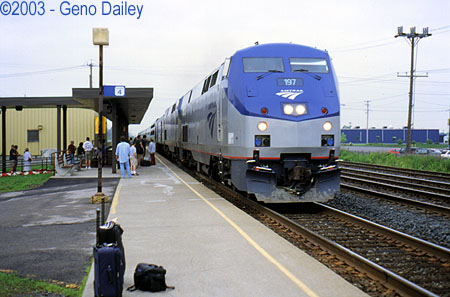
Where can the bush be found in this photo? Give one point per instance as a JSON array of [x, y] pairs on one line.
[[343, 138], [428, 163]]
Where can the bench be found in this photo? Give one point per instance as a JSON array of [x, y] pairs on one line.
[[68, 161], [62, 168]]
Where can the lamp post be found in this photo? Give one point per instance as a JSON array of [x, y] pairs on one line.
[[100, 37]]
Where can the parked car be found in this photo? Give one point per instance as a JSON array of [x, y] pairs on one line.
[[413, 150], [430, 152], [445, 154], [394, 151]]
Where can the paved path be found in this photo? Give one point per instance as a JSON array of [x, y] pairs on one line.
[[48, 233]]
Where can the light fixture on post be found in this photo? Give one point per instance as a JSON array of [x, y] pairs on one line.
[[100, 37], [414, 39]]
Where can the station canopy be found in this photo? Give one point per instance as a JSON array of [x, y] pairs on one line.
[[132, 106]]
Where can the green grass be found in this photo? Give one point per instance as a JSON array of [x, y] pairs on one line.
[[22, 182], [13, 285], [428, 163], [85, 278]]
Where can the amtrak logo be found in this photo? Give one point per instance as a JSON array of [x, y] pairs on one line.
[[290, 94], [211, 119]]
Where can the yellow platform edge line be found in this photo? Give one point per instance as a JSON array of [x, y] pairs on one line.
[[247, 237], [115, 199]]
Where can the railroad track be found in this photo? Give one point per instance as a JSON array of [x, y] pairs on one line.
[[407, 265], [415, 191], [430, 175]]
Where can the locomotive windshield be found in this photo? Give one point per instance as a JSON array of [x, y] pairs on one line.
[[308, 65], [263, 64]]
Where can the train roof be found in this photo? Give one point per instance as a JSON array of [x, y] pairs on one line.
[[290, 49]]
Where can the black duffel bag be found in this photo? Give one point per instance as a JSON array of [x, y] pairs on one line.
[[149, 277]]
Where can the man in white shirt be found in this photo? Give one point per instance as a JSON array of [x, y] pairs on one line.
[[123, 156], [88, 148]]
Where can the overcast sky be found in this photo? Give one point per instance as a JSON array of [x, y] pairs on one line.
[[175, 43]]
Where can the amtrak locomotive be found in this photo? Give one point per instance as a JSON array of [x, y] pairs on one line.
[[265, 122]]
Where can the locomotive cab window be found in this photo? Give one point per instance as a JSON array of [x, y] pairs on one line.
[[214, 79], [206, 85], [315, 65], [263, 64]]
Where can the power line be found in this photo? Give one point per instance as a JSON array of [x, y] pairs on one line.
[[18, 74]]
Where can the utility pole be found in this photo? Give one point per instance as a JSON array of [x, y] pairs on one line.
[[367, 123], [90, 74], [414, 39]]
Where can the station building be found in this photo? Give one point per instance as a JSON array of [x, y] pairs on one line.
[[40, 123], [36, 129]]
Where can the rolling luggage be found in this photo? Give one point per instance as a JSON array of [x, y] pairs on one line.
[[109, 259], [111, 232], [109, 271]]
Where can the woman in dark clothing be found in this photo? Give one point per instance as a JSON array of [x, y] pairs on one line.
[[80, 153]]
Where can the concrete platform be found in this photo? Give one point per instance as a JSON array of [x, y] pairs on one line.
[[209, 247]]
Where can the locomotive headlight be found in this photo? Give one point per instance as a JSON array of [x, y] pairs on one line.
[[262, 126], [288, 109], [300, 109], [327, 126]]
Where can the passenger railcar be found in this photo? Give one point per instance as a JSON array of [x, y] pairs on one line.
[[265, 122]]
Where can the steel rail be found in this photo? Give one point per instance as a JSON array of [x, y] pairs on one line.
[[421, 173], [376, 271], [428, 247], [420, 204], [399, 188], [434, 185]]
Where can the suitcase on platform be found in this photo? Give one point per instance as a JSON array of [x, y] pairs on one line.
[[111, 232], [109, 258], [109, 270]]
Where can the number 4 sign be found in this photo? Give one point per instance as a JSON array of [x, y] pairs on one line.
[[114, 91]]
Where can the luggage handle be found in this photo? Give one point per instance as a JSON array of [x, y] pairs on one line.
[[98, 227], [110, 275]]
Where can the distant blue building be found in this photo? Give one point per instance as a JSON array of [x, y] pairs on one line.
[[390, 135]]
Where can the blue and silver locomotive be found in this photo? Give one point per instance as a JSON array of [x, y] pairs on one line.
[[265, 122]]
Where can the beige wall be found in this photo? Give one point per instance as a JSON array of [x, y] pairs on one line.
[[80, 124]]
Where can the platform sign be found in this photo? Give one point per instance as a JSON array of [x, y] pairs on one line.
[[114, 91]]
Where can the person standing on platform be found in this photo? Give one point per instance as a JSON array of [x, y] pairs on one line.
[[133, 159], [13, 153], [144, 145], [88, 148], [27, 160], [152, 150], [123, 156], [139, 150], [71, 150], [80, 153]]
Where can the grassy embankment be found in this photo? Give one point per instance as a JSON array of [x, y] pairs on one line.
[[22, 182], [13, 285], [428, 163]]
